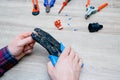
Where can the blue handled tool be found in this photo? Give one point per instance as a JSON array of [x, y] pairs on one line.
[[53, 58], [48, 42], [48, 4]]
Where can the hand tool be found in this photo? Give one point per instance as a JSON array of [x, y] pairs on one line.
[[48, 42], [92, 10], [63, 5], [35, 10], [49, 5]]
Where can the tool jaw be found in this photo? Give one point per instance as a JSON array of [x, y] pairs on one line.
[[47, 41], [47, 8], [89, 11], [35, 13], [35, 10]]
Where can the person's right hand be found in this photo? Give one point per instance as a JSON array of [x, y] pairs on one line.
[[68, 66]]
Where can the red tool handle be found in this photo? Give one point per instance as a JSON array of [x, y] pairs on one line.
[[102, 6], [88, 3], [64, 4]]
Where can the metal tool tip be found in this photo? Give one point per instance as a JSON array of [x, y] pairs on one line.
[[47, 9], [58, 12], [86, 16]]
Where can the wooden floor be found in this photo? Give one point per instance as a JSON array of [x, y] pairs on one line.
[[100, 51]]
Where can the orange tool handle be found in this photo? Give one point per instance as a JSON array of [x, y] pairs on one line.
[[35, 2], [102, 6], [88, 3]]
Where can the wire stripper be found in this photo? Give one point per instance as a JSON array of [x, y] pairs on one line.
[[92, 10]]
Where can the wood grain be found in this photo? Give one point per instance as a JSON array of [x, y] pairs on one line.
[[100, 51]]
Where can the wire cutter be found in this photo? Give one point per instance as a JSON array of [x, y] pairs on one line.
[[35, 10], [92, 10], [64, 4], [48, 42], [49, 5]]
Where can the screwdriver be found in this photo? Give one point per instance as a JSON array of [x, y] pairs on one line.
[[64, 4]]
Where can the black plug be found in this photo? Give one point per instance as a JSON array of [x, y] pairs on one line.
[[94, 27]]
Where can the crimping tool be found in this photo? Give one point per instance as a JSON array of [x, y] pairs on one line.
[[92, 10], [49, 5], [35, 10], [64, 4], [48, 42]]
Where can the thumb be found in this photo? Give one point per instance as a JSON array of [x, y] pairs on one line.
[[65, 53], [50, 68], [26, 41]]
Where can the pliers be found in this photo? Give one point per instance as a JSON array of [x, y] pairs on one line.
[[92, 10], [49, 5], [35, 10], [48, 42]]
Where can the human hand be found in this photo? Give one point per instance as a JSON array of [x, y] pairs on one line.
[[21, 45], [68, 66]]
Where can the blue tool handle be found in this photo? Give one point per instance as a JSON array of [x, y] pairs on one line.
[[46, 3], [54, 59], [52, 2]]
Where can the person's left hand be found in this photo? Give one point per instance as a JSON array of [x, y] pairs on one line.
[[21, 45]]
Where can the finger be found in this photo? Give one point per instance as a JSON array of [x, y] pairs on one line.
[[25, 41], [66, 52], [80, 62], [27, 48], [76, 60], [50, 68], [32, 44], [28, 51], [72, 54], [24, 35]]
